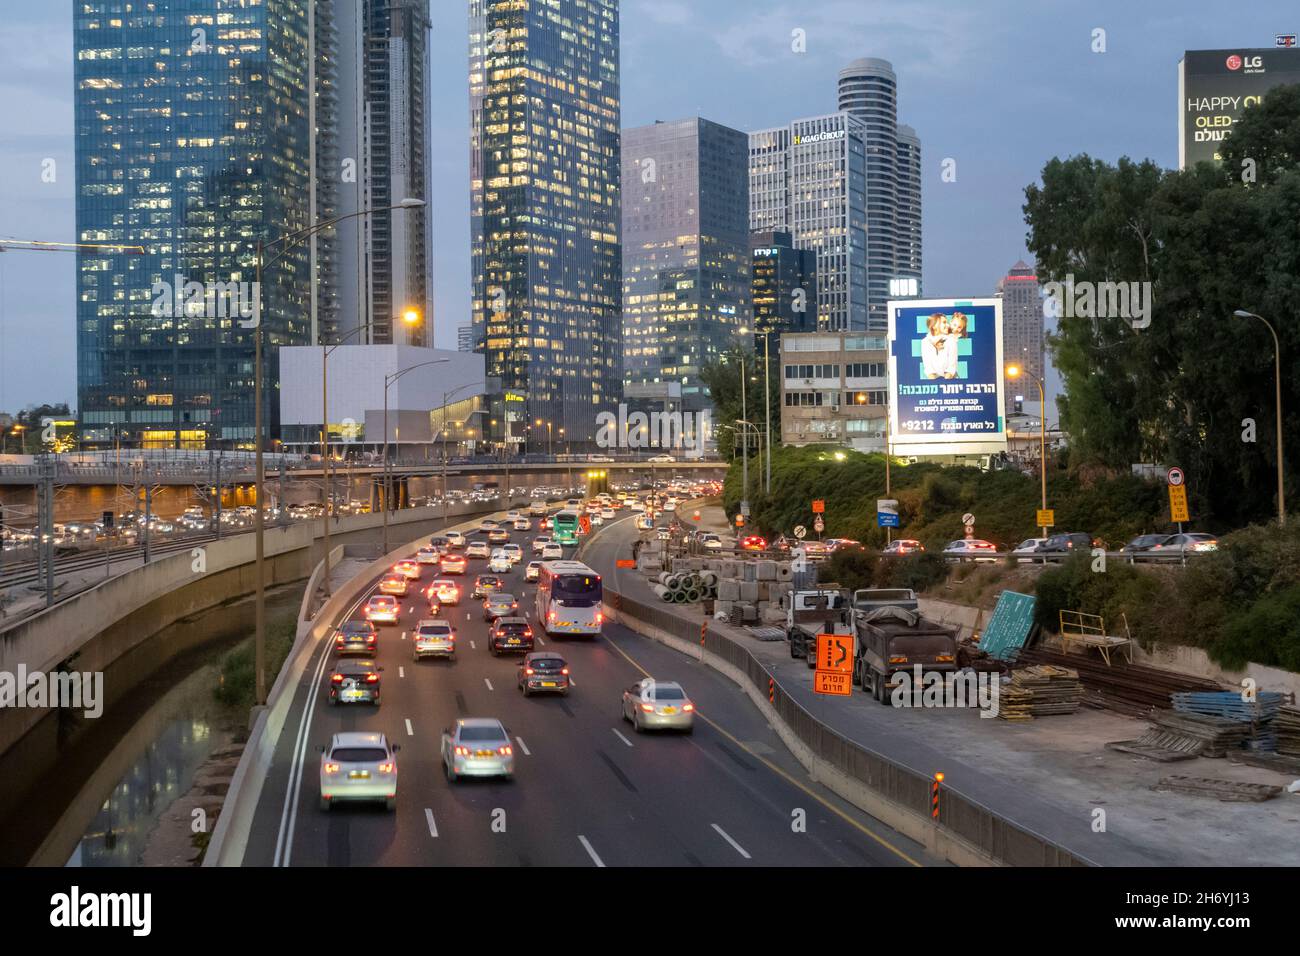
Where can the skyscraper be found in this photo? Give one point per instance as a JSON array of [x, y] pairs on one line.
[[810, 179], [868, 89], [464, 338], [685, 251], [552, 271], [784, 286], [192, 140], [1022, 330], [374, 151]]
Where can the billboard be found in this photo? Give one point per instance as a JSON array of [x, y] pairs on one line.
[[945, 377], [1216, 86]]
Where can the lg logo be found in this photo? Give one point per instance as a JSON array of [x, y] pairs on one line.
[[1235, 62]]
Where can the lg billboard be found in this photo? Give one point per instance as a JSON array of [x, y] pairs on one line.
[[1216, 86]]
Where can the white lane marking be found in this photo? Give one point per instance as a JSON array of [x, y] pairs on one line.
[[401, 671], [289, 815], [734, 845], [403, 635], [468, 616], [433, 827], [590, 852], [620, 736], [473, 646], [489, 683], [523, 746], [409, 731], [541, 640]]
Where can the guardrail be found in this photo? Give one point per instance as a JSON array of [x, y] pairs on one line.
[[960, 816]]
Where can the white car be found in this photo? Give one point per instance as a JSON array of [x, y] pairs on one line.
[[1029, 546], [500, 562], [523, 524], [513, 552], [551, 551], [537, 509], [608, 514], [539, 543], [477, 549], [456, 539], [973, 549], [658, 705], [662, 458], [512, 515], [670, 505], [426, 556], [477, 747], [711, 542], [433, 638], [358, 766], [637, 506], [488, 524], [533, 571]]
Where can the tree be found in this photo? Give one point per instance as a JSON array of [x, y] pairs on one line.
[[1194, 387], [722, 378]]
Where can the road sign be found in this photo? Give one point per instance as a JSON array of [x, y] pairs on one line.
[[832, 682], [1178, 503], [800, 531], [819, 525], [1046, 518], [696, 516], [968, 518], [1175, 476], [886, 513], [740, 521], [625, 563], [744, 508], [819, 506], [835, 653], [584, 524]]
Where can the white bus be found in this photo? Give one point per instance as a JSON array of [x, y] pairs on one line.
[[569, 598]]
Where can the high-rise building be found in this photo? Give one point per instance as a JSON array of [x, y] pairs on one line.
[[551, 265], [834, 389], [686, 280], [192, 141], [809, 179], [784, 286], [868, 89], [375, 151], [464, 338], [1022, 332]]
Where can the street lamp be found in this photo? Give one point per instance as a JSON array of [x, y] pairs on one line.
[[1015, 371], [410, 317], [286, 243], [1277, 385], [767, 401], [539, 423], [442, 433], [389, 379]]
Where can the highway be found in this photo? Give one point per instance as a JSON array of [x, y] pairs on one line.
[[588, 791]]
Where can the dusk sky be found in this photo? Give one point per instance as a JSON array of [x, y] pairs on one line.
[[998, 86]]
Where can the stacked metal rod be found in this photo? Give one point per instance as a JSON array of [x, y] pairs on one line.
[[1133, 689]]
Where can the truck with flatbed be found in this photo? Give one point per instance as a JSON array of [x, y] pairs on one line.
[[821, 610], [891, 638]]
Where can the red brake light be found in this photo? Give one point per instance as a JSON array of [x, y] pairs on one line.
[[529, 671], [505, 751], [564, 671], [331, 768], [370, 638], [462, 751], [599, 617], [648, 708], [336, 678], [372, 678], [386, 768], [688, 707], [551, 616]]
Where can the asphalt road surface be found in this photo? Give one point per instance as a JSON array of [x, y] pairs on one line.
[[588, 791]]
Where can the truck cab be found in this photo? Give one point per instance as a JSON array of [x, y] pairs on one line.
[[823, 610]]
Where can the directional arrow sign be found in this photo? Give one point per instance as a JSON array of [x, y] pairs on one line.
[[835, 653]]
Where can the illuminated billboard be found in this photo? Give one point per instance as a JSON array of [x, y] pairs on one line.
[[945, 377], [1216, 86]]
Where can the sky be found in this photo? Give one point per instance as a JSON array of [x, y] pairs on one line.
[[998, 86]]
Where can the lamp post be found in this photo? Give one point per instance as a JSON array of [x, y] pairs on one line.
[[286, 243], [1015, 371], [389, 379], [767, 400], [410, 317], [549, 450], [1277, 386]]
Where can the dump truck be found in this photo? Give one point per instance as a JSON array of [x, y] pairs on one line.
[[823, 610], [868, 599], [891, 639]]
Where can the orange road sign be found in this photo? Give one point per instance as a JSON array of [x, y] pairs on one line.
[[625, 563], [819, 506], [835, 653], [832, 682]]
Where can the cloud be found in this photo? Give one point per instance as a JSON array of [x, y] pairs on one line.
[[669, 12]]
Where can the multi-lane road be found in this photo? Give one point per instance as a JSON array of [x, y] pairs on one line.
[[588, 791]]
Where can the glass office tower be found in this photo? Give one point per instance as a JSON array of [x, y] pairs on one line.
[[191, 141], [685, 251], [551, 263]]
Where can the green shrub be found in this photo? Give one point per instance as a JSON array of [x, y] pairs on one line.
[[1268, 633], [238, 683]]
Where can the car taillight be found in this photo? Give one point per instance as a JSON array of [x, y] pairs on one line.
[[386, 768], [372, 678], [336, 678], [529, 671], [599, 617], [331, 768], [505, 751], [688, 707], [370, 638], [528, 633], [648, 708], [462, 751], [551, 616]]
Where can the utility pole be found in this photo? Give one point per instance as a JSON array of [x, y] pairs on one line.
[[45, 525]]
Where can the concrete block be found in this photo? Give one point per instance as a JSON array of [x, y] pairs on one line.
[[729, 591], [784, 572], [749, 591], [765, 570]]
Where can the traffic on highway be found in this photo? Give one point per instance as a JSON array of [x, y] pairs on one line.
[[486, 718]]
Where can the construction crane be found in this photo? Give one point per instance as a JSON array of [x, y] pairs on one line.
[[36, 245]]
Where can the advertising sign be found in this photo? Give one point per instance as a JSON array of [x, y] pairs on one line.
[[1216, 86], [887, 512], [945, 377]]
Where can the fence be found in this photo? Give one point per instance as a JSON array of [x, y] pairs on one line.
[[993, 835]]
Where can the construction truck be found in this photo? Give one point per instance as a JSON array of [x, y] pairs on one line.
[[868, 599], [891, 639], [823, 610]]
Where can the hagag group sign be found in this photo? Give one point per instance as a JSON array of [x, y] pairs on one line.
[[945, 377]]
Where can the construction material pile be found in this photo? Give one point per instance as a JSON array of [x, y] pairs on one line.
[[1133, 689], [1255, 715], [1041, 690], [1287, 724], [686, 587]]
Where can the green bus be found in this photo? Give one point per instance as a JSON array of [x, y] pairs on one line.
[[564, 527]]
